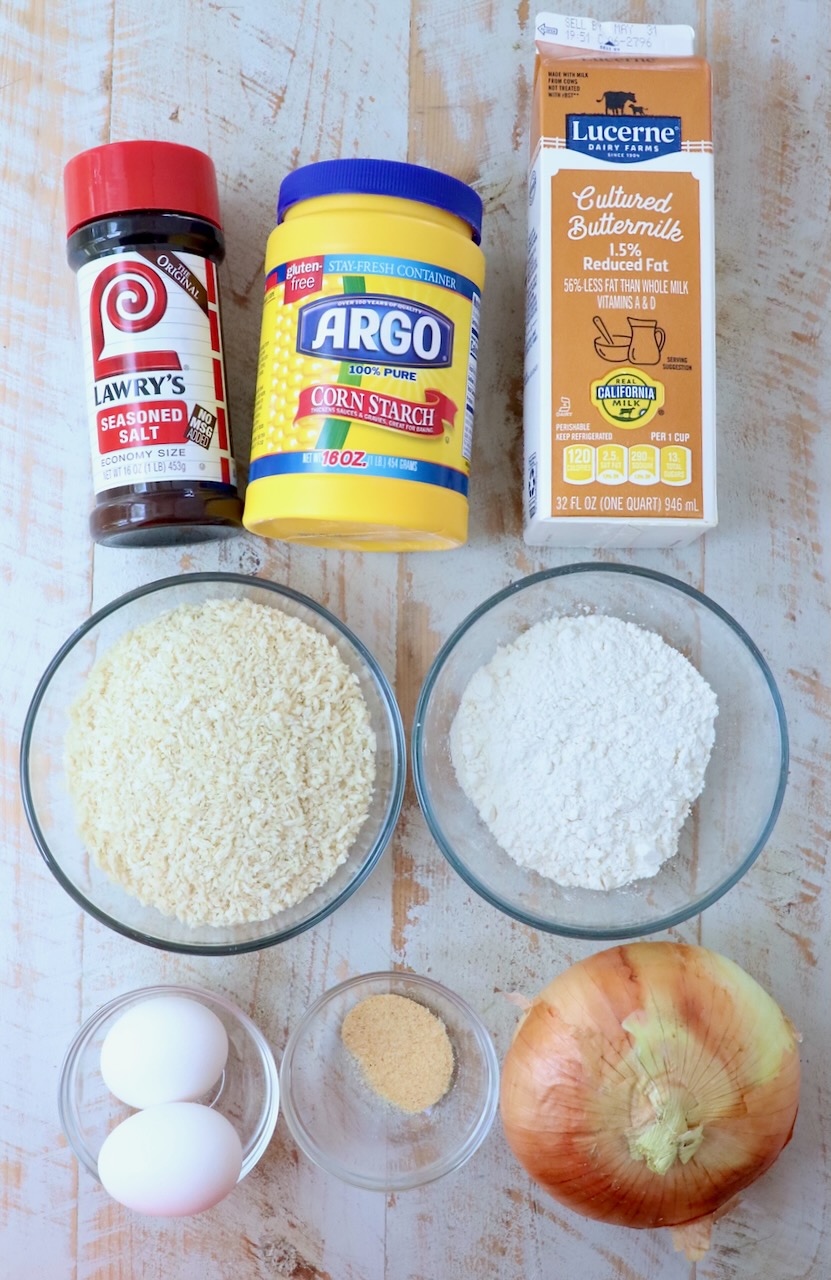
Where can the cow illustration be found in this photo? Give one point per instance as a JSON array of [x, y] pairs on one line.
[[638, 111], [615, 101]]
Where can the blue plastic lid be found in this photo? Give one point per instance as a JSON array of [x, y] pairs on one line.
[[382, 178]]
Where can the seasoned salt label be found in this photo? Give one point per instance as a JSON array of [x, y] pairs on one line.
[[367, 367], [155, 375]]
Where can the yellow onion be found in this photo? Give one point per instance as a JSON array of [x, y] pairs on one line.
[[648, 1085]]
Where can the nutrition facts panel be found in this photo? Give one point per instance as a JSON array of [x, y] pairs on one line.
[[615, 463]]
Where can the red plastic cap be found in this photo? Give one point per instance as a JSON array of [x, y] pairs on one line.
[[123, 177]]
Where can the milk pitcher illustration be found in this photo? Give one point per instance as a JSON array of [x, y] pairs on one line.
[[647, 341]]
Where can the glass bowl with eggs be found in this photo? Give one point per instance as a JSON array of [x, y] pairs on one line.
[[600, 751], [212, 763], [168, 1096], [389, 1081]]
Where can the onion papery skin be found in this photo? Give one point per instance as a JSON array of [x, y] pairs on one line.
[[702, 1040]]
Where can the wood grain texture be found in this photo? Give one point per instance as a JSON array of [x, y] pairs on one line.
[[263, 87]]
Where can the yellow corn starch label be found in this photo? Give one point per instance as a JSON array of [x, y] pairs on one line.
[[367, 367]]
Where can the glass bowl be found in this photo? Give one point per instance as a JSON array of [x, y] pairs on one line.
[[247, 1093], [344, 1127], [49, 807], [744, 784]]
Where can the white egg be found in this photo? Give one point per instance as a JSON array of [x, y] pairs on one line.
[[172, 1160], [165, 1049]]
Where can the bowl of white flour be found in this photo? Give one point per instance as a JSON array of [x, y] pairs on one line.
[[600, 751]]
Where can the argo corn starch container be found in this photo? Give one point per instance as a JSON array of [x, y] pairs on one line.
[[364, 411]]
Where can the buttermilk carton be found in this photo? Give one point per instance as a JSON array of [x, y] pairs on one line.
[[620, 341]]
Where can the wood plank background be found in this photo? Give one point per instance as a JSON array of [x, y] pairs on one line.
[[262, 87]]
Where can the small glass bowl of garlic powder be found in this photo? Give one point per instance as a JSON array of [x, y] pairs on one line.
[[357, 1108]]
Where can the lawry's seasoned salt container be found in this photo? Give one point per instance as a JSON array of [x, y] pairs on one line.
[[620, 340], [363, 419], [145, 237]]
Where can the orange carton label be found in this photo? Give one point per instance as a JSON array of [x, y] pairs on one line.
[[620, 344]]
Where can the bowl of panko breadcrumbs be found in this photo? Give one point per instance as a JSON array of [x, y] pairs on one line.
[[389, 1081], [212, 763]]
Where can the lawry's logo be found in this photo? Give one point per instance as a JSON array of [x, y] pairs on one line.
[[622, 137], [367, 326], [127, 298]]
